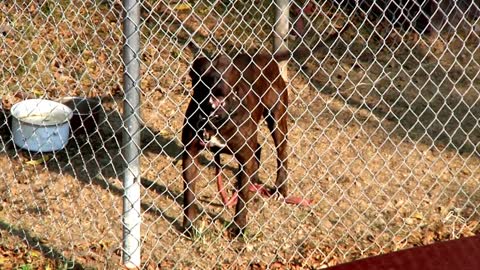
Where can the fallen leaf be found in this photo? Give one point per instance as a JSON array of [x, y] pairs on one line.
[[409, 221], [164, 132], [35, 253], [428, 237], [35, 162], [37, 92], [182, 7], [417, 215], [277, 265]]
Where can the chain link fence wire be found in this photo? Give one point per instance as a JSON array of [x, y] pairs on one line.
[[383, 136]]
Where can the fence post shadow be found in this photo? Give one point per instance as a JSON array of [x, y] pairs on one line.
[[98, 154], [38, 244]]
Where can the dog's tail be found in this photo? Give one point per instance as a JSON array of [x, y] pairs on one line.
[[282, 56]]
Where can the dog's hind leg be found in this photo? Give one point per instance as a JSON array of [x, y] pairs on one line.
[[277, 124], [258, 154], [279, 134]]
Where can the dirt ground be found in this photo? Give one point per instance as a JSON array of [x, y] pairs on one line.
[[384, 138]]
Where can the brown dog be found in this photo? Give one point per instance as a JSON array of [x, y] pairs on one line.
[[230, 97]]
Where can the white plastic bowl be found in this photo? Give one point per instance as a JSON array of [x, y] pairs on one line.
[[40, 125]]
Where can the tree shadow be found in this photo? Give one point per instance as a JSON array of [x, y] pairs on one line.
[[422, 100]]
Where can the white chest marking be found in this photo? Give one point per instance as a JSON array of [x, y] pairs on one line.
[[217, 142]]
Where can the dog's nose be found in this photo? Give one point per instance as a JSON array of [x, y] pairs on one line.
[[216, 102]]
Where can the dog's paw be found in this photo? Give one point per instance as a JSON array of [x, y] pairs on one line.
[[282, 190], [189, 230], [233, 231], [192, 233]]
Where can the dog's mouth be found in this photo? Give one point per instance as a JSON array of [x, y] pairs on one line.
[[218, 111]]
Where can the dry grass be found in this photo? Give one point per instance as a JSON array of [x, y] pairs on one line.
[[384, 139]]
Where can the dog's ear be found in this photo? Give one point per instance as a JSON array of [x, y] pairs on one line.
[[199, 67]]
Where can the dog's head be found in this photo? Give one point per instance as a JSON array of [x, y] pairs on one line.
[[217, 88]]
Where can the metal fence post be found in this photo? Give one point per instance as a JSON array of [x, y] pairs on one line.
[[280, 35], [131, 135]]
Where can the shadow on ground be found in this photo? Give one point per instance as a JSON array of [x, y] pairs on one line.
[[434, 101]]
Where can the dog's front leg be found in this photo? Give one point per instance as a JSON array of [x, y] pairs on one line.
[[248, 168], [190, 175]]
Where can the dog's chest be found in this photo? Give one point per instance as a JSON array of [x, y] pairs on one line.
[[213, 140]]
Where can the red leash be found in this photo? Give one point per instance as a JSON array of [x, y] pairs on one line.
[[260, 189]]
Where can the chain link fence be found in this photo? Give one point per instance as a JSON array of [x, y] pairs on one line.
[[383, 134]]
